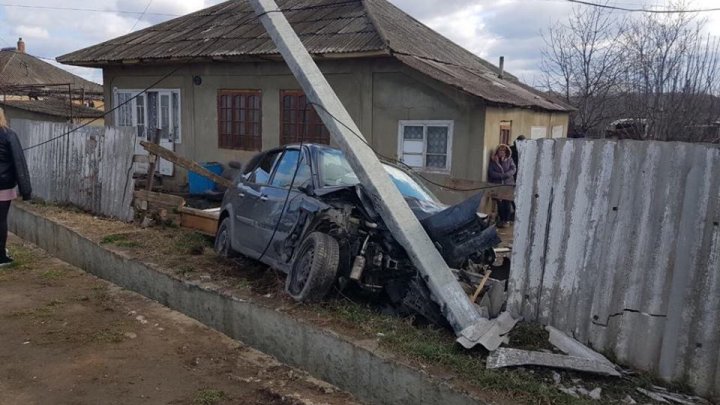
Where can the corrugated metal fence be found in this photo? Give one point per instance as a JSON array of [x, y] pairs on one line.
[[618, 244], [90, 168]]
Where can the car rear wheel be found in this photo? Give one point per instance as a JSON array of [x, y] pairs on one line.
[[223, 247], [315, 268]]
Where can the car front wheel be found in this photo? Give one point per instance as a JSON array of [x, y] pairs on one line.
[[223, 247], [315, 268]]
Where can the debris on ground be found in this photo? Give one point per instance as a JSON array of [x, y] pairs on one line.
[[506, 357], [577, 357], [662, 395]]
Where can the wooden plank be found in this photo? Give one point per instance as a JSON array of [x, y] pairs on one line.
[[165, 200], [201, 213], [185, 163], [198, 220], [153, 161]]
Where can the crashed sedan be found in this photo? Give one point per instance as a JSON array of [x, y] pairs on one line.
[[324, 230]]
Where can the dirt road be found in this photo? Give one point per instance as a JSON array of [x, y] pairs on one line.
[[69, 338]]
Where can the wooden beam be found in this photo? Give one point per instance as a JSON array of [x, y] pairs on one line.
[[153, 161], [187, 164]]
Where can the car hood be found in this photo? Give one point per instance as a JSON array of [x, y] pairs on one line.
[[439, 220]]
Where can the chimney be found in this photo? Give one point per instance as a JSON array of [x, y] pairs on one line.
[[502, 66], [21, 46]]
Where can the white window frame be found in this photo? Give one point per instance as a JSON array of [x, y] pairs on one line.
[[134, 92], [450, 124]]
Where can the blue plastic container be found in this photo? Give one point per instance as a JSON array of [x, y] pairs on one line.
[[200, 185]]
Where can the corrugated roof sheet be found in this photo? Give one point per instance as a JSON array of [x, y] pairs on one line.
[[618, 244], [56, 108], [22, 69], [337, 27]]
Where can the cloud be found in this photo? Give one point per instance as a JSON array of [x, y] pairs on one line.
[[489, 28], [29, 32]]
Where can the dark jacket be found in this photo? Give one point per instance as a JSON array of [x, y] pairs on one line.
[[515, 157], [13, 168], [502, 172]]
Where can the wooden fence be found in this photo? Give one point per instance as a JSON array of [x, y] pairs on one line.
[[90, 168]]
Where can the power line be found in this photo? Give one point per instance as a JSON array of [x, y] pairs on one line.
[[141, 15], [146, 89], [87, 9], [399, 162], [643, 10]]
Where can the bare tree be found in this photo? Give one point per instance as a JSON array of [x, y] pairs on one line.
[[659, 72], [582, 62], [672, 77]]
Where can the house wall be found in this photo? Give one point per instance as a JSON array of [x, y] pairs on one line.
[[377, 92], [12, 113], [523, 120]]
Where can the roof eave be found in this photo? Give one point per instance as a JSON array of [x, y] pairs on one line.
[[221, 58]]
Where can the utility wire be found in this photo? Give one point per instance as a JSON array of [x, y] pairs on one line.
[[86, 9], [106, 113], [149, 87], [642, 10], [401, 163], [141, 15]]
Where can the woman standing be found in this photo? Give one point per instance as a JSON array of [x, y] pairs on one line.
[[502, 171], [13, 176]]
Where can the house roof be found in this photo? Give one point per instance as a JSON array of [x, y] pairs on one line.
[[21, 70], [330, 28], [53, 107]]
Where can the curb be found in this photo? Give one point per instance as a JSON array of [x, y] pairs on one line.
[[369, 376]]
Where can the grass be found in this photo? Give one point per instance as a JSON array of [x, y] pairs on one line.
[[107, 335], [42, 312], [52, 274], [192, 243], [208, 397], [120, 240], [436, 347], [184, 270]]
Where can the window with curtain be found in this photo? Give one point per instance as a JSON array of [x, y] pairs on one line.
[[299, 120], [240, 119], [426, 144]]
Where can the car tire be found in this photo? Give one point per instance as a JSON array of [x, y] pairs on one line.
[[223, 247], [314, 268]]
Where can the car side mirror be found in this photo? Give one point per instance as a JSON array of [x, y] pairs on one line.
[[306, 188]]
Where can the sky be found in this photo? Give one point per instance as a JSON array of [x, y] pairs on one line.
[[489, 28]]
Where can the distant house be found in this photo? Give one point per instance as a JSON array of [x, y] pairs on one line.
[[31, 88], [51, 110], [414, 94]]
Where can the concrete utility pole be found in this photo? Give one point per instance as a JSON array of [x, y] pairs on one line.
[[469, 325]]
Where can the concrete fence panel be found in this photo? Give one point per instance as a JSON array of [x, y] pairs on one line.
[[618, 244], [90, 168]]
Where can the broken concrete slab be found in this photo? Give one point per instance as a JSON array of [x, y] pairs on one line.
[[572, 347], [495, 297], [662, 395], [489, 333], [506, 357]]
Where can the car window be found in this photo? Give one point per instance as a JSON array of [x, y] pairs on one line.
[[286, 170], [407, 185], [335, 169], [261, 174]]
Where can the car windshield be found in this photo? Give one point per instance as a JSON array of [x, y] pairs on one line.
[[335, 171]]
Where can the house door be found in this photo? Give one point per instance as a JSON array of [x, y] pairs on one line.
[[148, 112], [505, 132]]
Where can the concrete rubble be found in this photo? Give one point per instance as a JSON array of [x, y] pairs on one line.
[[662, 395], [578, 357], [506, 357]]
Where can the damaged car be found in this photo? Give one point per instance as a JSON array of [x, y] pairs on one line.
[[324, 230]]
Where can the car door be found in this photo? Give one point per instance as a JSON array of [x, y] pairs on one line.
[[276, 193], [249, 204]]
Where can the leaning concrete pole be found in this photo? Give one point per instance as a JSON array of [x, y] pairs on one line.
[[392, 207]]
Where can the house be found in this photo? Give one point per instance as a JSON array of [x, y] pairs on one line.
[[31, 88], [51, 110], [414, 94]]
